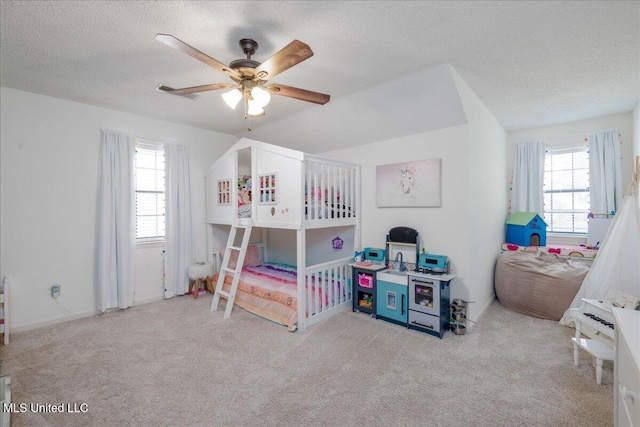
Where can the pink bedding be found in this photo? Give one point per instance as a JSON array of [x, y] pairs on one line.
[[270, 291]]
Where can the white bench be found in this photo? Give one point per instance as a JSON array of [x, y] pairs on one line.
[[595, 348]]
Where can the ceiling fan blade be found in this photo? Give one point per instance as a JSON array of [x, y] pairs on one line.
[[290, 55], [297, 93], [178, 44], [195, 89]]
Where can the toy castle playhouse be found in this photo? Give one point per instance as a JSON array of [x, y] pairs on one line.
[[526, 229]]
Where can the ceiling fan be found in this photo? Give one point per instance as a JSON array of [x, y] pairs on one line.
[[250, 77]]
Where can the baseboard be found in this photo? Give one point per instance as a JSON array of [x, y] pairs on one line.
[[147, 300], [74, 316], [483, 311], [50, 322]]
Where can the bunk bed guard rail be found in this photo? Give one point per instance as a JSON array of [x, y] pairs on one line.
[[330, 190], [327, 291]]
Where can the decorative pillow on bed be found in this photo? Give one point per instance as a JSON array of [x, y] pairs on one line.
[[251, 259]]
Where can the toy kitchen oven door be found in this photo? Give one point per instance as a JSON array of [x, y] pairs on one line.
[[428, 304]]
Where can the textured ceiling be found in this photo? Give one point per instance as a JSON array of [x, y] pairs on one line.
[[532, 63]]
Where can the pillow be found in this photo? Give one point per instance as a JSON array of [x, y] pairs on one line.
[[251, 258]]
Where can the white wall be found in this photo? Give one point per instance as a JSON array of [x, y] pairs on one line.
[[576, 132], [635, 151], [282, 245], [487, 209], [49, 180]]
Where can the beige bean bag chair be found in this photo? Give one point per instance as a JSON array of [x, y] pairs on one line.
[[538, 284]]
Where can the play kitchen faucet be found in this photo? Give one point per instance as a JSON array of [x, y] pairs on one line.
[[403, 266]]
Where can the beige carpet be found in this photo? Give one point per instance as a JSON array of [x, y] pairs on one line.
[[172, 363]]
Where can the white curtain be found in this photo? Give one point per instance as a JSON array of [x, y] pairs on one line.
[[116, 221], [179, 252], [605, 176], [528, 177]]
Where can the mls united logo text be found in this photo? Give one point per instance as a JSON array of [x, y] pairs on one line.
[[68, 408]]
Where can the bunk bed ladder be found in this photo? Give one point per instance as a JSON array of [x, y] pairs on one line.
[[224, 269]]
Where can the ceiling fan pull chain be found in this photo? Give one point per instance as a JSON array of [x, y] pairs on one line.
[[246, 113]]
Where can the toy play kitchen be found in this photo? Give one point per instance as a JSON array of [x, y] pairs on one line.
[[429, 295], [390, 284], [428, 285], [407, 288]]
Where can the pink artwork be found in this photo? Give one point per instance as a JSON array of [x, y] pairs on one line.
[[410, 184]]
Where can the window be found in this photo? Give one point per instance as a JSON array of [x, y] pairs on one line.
[[267, 189], [224, 192], [566, 189], [149, 179]]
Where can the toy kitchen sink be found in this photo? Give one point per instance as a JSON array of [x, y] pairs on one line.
[[393, 276]]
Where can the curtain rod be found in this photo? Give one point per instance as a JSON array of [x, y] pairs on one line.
[[585, 134], [144, 138], [570, 136], [162, 141]]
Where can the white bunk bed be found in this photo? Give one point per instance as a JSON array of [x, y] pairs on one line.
[[271, 187]]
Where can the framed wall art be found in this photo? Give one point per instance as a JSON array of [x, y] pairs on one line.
[[410, 184]]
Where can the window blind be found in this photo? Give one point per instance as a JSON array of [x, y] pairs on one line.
[[150, 192]]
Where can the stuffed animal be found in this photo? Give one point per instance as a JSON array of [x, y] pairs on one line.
[[244, 190], [244, 197]]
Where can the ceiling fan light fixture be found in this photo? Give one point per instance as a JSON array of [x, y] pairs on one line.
[[232, 98], [255, 109], [249, 76], [261, 96]]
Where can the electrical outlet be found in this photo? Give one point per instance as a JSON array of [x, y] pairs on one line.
[[55, 291]]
